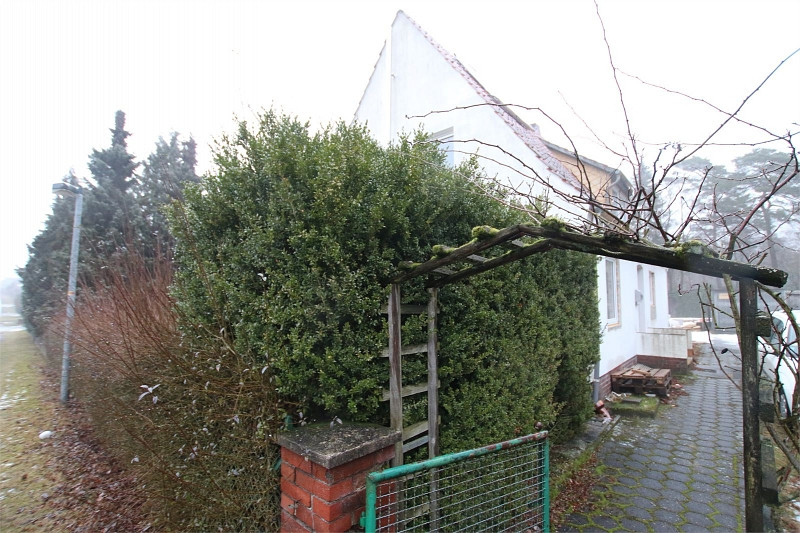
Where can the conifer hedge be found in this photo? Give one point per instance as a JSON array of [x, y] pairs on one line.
[[283, 256]]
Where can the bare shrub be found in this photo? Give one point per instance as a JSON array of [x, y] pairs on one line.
[[196, 425]]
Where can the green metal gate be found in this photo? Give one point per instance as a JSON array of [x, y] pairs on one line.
[[502, 487]]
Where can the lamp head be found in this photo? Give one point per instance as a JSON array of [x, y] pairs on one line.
[[66, 190]]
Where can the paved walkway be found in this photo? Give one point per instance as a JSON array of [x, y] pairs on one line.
[[680, 471]]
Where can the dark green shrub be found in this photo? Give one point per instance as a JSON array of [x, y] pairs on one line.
[[284, 252]]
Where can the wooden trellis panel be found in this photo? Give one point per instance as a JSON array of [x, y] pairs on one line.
[[397, 391]]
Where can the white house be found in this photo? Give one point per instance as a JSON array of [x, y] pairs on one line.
[[417, 83]]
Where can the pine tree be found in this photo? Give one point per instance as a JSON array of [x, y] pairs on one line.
[[166, 172], [112, 217], [114, 166], [44, 277], [120, 210]]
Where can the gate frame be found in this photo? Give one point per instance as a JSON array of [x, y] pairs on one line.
[[373, 478]]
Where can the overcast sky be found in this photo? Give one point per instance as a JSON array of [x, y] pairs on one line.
[[190, 67]]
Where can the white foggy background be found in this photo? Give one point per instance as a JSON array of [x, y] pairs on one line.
[[191, 67]]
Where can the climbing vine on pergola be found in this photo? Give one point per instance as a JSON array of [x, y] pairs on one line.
[[517, 242]]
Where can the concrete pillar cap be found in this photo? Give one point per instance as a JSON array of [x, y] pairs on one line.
[[334, 446]]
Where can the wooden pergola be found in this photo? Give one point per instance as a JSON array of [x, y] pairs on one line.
[[520, 241]]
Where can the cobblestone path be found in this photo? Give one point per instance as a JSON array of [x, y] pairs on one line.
[[680, 471]]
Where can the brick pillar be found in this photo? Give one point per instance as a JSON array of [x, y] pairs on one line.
[[323, 474]]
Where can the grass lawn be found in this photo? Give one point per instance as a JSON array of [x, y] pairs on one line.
[[27, 475]]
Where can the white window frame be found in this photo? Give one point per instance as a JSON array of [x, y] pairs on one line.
[[612, 292], [653, 308], [445, 140]]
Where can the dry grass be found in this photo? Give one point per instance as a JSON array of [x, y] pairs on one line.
[[27, 473], [63, 483]]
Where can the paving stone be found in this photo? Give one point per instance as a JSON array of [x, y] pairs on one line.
[[673, 486], [629, 524], [613, 511], [730, 489], [696, 520], [661, 457], [650, 494], [667, 516], [725, 509], [699, 469], [624, 490], [631, 464], [643, 503], [650, 483], [641, 514], [683, 462], [699, 507], [664, 527], [606, 522], [639, 456], [659, 467], [682, 469], [706, 497], [670, 504], [705, 462], [703, 478], [614, 461], [679, 474], [711, 444], [727, 520], [699, 486], [656, 475]]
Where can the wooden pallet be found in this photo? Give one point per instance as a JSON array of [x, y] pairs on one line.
[[640, 379]]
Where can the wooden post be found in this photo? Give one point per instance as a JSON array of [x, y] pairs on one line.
[[395, 370], [753, 498], [433, 404], [433, 377]]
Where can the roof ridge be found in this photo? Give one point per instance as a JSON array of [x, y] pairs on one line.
[[522, 130]]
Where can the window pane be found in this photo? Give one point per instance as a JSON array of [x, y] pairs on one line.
[[445, 140], [611, 289], [653, 310]]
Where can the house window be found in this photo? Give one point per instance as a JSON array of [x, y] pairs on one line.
[[653, 312], [612, 291], [445, 139]]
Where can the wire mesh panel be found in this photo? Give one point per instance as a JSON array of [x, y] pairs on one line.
[[503, 487]]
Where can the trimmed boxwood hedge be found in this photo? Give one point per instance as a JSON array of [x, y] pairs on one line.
[[284, 251]]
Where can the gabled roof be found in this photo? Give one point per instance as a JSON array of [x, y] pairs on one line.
[[521, 129]]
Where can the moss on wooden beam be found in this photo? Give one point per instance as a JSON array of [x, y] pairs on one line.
[[690, 257], [686, 259]]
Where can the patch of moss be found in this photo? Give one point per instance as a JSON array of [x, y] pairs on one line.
[[442, 250], [647, 406], [694, 247], [615, 237], [484, 232], [554, 223], [408, 265]]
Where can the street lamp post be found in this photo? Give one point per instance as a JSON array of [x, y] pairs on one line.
[[64, 189]]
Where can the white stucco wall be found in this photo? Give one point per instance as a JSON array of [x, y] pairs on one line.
[[417, 80], [627, 336], [669, 342], [372, 108]]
